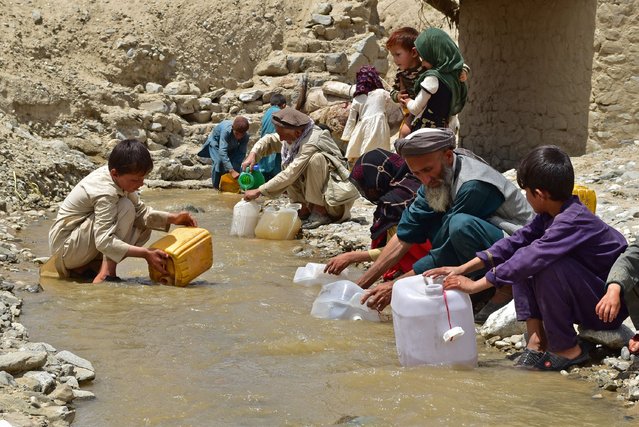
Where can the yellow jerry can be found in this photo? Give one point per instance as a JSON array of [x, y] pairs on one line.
[[228, 184], [190, 251], [587, 196]]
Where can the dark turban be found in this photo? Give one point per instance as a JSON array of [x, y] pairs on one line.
[[424, 141]]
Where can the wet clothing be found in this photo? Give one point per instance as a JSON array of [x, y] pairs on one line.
[[225, 151], [367, 125], [306, 178], [99, 219], [625, 272], [270, 165], [558, 269], [485, 206]]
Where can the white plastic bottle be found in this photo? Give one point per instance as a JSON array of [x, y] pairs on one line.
[[431, 329], [245, 216]]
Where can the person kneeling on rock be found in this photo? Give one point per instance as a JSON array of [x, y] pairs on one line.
[[102, 221], [623, 285], [557, 264], [314, 172]]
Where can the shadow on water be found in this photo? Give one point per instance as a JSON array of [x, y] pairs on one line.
[[239, 347]]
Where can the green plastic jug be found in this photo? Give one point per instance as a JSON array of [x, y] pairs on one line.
[[251, 179]]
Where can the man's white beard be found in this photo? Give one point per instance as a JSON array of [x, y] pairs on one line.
[[439, 198]]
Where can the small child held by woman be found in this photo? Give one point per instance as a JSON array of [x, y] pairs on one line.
[[557, 265], [441, 90], [401, 45]]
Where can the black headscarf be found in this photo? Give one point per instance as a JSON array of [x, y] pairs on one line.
[[383, 178]]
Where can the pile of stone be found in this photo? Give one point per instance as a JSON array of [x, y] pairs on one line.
[[38, 382]]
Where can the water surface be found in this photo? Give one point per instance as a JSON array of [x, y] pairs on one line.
[[238, 347]]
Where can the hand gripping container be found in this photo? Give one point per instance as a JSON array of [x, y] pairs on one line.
[[432, 326], [341, 300], [190, 251], [587, 196], [279, 224]]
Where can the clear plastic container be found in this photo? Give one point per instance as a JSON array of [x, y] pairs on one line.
[[313, 274], [341, 300], [245, 217], [423, 333], [279, 224]]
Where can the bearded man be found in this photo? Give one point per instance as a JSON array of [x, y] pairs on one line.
[[462, 207]]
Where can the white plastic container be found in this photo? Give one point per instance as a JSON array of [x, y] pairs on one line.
[[313, 274], [341, 300], [245, 216], [279, 224], [423, 333]]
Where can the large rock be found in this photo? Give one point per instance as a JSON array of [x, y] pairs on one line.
[[72, 359], [615, 339], [503, 323], [368, 47], [336, 63], [178, 88], [21, 361], [250, 95], [44, 379], [355, 62], [275, 65], [186, 104]]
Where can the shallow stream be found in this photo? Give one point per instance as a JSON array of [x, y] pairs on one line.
[[239, 347]]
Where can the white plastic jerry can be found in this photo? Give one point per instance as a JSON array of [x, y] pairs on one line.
[[432, 326], [245, 216]]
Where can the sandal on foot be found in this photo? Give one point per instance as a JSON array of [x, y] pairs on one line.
[[554, 362], [115, 279], [529, 358]]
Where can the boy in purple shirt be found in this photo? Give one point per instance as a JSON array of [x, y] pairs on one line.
[[557, 264]]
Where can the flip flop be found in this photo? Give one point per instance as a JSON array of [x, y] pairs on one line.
[[554, 362], [529, 358]]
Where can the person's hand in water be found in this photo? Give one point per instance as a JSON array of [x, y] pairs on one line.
[[378, 297], [338, 263]]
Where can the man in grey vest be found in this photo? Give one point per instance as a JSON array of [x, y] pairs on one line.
[[462, 207]]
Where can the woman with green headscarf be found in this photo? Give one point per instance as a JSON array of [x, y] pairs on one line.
[[441, 89]]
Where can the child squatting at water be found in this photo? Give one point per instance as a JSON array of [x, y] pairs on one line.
[[557, 265], [102, 221]]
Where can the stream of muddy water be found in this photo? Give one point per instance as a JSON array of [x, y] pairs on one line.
[[239, 347]]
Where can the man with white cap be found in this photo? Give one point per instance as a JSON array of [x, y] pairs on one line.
[[314, 172], [462, 207]]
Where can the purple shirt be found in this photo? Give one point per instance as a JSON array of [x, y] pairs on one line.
[[575, 232]]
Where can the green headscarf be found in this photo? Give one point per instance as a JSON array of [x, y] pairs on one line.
[[437, 48]]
